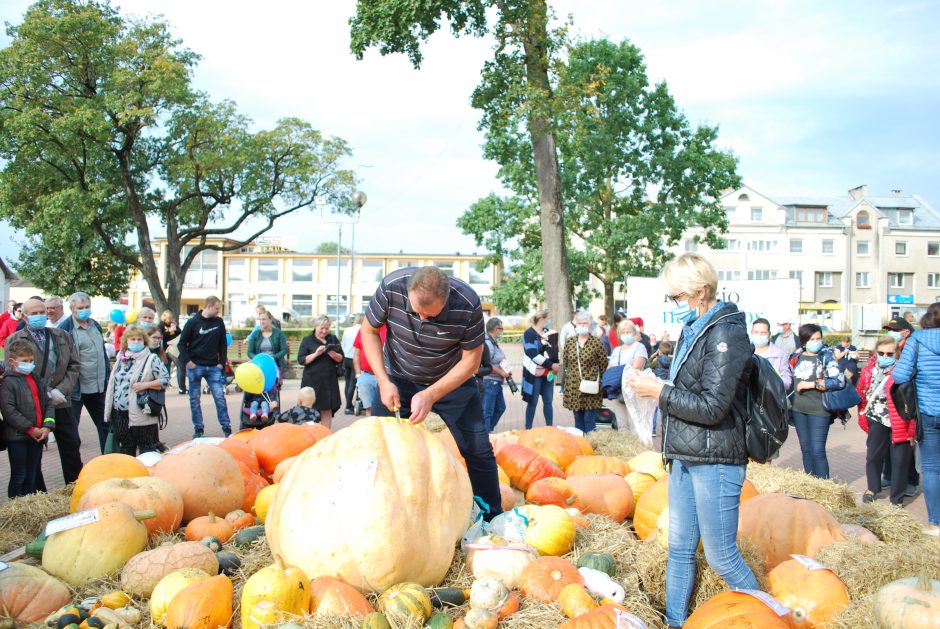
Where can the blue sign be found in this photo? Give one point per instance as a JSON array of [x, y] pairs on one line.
[[900, 299]]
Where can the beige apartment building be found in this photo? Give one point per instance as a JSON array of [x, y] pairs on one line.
[[301, 285]]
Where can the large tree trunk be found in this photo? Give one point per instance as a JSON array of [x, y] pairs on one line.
[[609, 298], [548, 175]]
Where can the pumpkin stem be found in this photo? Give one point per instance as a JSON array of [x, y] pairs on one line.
[[145, 514], [798, 614], [278, 562], [923, 583]]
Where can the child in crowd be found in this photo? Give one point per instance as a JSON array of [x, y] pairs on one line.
[[663, 361], [304, 411], [28, 417], [259, 412]]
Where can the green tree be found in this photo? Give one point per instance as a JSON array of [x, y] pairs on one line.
[[515, 81], [330, 247], [103, 139], [635, 173]]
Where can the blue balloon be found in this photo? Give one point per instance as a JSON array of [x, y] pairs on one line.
[[117, 315], [228, 339], [268, 367]]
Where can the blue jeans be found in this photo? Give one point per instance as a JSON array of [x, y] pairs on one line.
[[546, 390], [494, 404], [812, 431], [585, 421], [25, 462], [704, 500], [216, 381], [368, 388], [930, 466], [94, 404]]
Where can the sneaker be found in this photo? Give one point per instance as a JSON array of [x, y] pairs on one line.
[[197, 434], [162, 447], [868, 497], [911, 491], [932, 530], [183, 392], [226, 432]]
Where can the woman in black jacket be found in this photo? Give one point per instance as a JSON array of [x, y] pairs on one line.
[[319, 354], [703, 432]]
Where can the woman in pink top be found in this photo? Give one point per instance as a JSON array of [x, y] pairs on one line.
[[760, 337]]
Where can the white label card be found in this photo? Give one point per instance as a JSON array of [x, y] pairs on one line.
[[809, 562], [768, 600], [183, 447], [628, 621], [149, 459], [73, 521], [208, 441], [3, 566]]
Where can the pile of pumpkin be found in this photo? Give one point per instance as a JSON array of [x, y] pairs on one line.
[[362, 525]]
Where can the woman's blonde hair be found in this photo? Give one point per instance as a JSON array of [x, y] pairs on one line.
[[136, 331], [688, 274], [883, 340], [539, 314], [321, 320], [624, 326]]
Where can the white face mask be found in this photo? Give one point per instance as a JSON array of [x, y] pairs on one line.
[[627, 340], [583, 329]]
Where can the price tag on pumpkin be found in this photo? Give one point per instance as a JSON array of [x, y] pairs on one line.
[[183, 447], [809, 562], [3, 566], [73, 521], [776, 606], [208, 441], [149, 459], [626, 620]]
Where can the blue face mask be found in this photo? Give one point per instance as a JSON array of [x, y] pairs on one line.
[[147, 325], [814, 346], [895, 335], [83, 314], [759, 340], [37, 322], [135, 347], [627, 340], [886, 361], [689, 316], [583, 330], [25, 368]]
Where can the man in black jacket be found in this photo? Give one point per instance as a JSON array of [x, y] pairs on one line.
[[203, 349]]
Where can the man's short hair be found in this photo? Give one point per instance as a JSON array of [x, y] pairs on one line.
[[211, 300], [492, 324], [78, 297], [429, 283], [20, 347], [54, 301]]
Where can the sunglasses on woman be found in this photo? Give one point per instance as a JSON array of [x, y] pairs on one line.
[[885, 353]]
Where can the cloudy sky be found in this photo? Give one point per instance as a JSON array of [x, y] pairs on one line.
[[814, 98]]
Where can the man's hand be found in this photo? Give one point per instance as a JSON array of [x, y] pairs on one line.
[[336, 356], [389, 394], [190, 365], [56, 396], [805, 386], [421, 404], [645, 386]]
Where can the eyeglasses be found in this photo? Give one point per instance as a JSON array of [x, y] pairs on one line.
[[885, 353], [675, 298]]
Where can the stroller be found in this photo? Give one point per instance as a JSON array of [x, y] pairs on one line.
[[254, 404]]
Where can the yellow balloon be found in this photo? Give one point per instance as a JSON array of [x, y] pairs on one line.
[[250, 378], [130, 316]]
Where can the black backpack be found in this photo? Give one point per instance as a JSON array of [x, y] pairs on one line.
[[768, 413]]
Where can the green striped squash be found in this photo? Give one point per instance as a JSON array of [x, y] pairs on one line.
[[404, 601]]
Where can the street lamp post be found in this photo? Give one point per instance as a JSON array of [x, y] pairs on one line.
[[359, 198]]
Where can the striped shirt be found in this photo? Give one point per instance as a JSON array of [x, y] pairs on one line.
[[423, 351]]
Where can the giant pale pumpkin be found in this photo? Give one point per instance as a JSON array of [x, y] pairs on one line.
[[447, 438], [543, 579], [597, 464], [207, 477], [253, 483], [105, 467], [285, 586], [145, 570], [282, 468], [241, 452], [736, 609], [97, 549], [604, 494], [555, 444], [781, 526], [141, 493], [28, 595], [649, 506], [330, 596], [277, 442], [378, 503], [525, 466], [814, 595], [553, 491], [203, 605]]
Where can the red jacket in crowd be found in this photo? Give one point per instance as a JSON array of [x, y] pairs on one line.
[[901, 429]]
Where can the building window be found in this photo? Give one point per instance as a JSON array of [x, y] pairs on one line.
[[447, 267], [933, 249], [757, 214], [729, 214], [744, 197], [905, 217], [828, 246], [204, 271], [862, 280], [762, 246], [302, 270], [900, 248], [237, 271], [372, 270], [236, 303], [267, 270], [302, 304], [807, 214], [862, 248], [725, 276], [480, 277], [796, 245], [732, 244], [933, 280], [824, 279], [896, 280], [268, 300], [337, 307], [797, 275], [691, 245], [862, 220], [761, 275]]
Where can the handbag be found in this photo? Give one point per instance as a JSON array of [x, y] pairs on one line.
[[842, 399], [588, 387], [904, 395], [151, 402]]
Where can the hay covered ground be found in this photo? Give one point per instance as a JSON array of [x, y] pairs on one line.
[[864, 567]]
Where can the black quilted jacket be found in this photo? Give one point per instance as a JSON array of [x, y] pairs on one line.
[[705, 407]]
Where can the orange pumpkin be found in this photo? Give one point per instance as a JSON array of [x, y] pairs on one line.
[[503, 476], [814, 597], [246, 434], [105, 467], [207, 478], [239, 519], [241, 452], [555, 444], [597, 464], [203, 605], [503, 439], [734, 609], [543, 579], [282, 468], [575, 600], [448, 439], [525, 466], [649, 506], [510, 607], [206, 525], [604, 494], [639, 482], [748, 491], [141, 493], [603, 617], [279, 441], [317, 431], [253, 484], [781, 526], [584, 444], [28, 595], [329, 595], [553, 491], [507, 496]]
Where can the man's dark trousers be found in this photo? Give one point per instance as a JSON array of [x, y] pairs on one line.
[[350, 382], [462, 411], [68, 443]]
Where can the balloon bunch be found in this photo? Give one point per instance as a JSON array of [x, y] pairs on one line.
[[258, 376]]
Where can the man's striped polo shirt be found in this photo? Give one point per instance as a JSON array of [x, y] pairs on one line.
[[423, 351]]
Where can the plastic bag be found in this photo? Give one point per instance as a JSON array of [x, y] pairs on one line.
[[475, 528], [639, 409], [509, 524]]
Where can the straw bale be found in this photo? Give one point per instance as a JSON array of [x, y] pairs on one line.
[[857, 615], [890, 523], [625, 445], [865, 567], [23, 518], [776, 479]]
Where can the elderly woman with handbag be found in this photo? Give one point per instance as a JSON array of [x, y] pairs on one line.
[[584, 360]]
